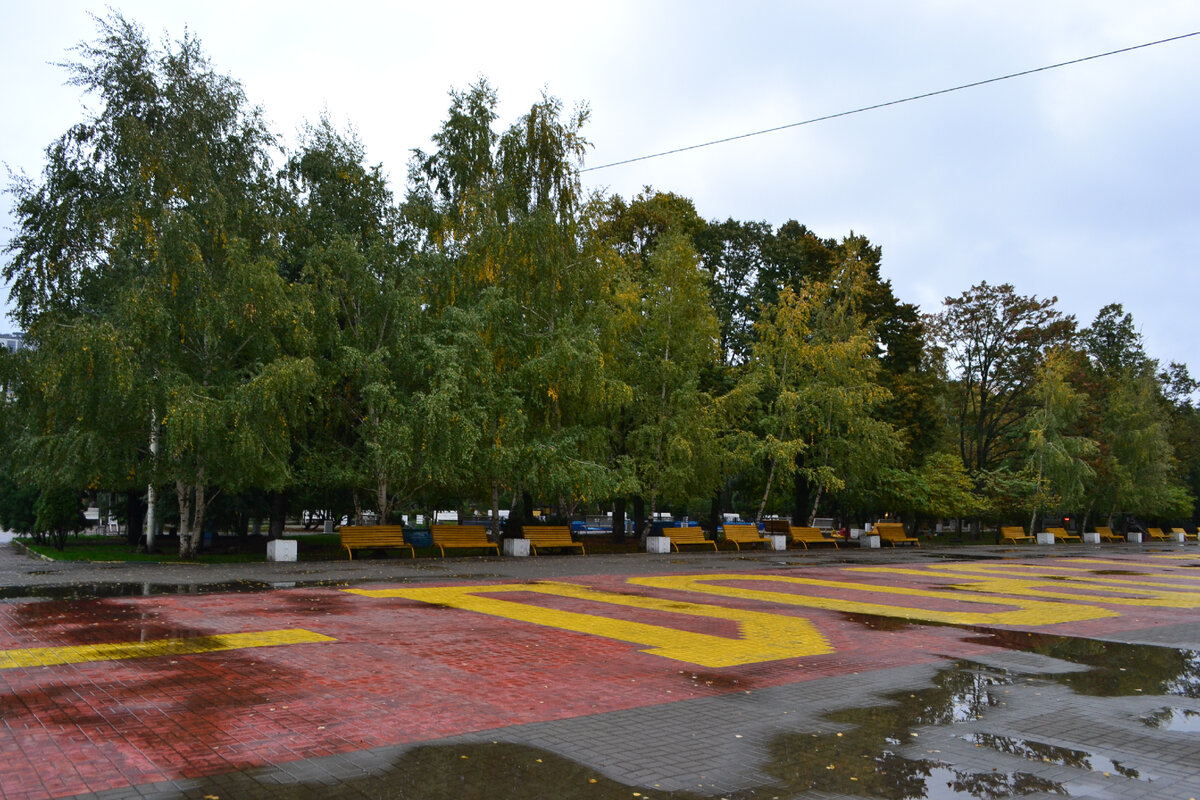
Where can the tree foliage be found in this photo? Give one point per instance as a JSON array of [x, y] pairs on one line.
[[213, 315]]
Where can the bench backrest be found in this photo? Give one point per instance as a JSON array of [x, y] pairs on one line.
[[1155, 531], [1012, 530], [778, 526], [459, 534], [547, 535], [742, 533], [1104, 530], [371, 533], [686, 535], [890, 530], [1057, 531], [807, 534]]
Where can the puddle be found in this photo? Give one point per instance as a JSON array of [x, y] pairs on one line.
[[99, 591], [1052, 754], [863, 758], [1117, 669], [94, 591], [444, 772], [1174, 719], [878, 623]]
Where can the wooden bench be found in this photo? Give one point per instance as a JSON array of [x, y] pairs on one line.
[[1157, 535], [689, 535], [893, 533], [461, 537], [1187, 537], [1015, 534], [807, 536], [1106, 534], [744, 534], [374, 537], [1061, 535], [550, 536]]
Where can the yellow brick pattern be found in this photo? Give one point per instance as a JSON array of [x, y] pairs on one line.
[[762, 636], [78, 654]]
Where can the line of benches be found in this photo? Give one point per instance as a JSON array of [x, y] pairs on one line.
[[558, 537], [455, 537], [1017, 535]]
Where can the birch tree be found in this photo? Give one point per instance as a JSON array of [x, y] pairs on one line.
[[147, 249]]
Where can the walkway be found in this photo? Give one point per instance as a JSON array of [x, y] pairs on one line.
[[859, 674]]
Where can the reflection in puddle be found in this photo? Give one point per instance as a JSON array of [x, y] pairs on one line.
[[863, 760], [1051, 754], [95, 591], [1117, 669], [1175, 719], [450, 772]]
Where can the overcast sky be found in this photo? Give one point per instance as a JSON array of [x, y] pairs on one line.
[[1081, 182]]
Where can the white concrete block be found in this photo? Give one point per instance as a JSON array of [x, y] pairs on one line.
[[658, 544], [1045, 538], [778, 541], [281, 550], [516, 547], [1091, 538], [868, 540], [1134, 536]]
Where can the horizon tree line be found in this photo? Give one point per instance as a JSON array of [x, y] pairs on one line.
[[252, 330]]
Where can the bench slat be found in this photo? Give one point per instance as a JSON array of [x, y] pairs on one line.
[[893, 533], [550, 536], [689, 535], [375, 537], [744, 534], [462, 537]]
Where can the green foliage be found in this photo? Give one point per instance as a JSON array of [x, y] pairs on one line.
[[1057, 454], [57, 512], [813, 369], [500, 333], [994, 340]]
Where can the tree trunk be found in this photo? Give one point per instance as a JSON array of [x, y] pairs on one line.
[[278, 502], [526, 507], [381, 502], [496, 509], [766, 491], [639, 516], [135, 511], [618, 520], [816, 504], [801, 498], [191, 516], [714, 512]]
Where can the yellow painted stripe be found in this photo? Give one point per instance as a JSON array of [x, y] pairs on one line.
[[78, 654]]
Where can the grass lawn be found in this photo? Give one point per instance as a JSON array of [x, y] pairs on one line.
[[224, 550], [231, 550]]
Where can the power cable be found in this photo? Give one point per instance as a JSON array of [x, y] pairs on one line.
[[891, 102]]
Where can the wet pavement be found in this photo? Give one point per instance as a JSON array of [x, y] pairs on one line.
[[917, 673]]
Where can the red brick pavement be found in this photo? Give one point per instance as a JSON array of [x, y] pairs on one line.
[[399, 671]]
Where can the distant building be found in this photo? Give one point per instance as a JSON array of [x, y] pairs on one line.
[[13, 341]]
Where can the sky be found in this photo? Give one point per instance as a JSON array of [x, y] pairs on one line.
[[1081, 183]]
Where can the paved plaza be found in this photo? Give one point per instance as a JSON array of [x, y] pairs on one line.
[[974, 672]]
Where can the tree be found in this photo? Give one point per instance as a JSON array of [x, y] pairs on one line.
[[347, 243], [1058, 455], [145, 273], [666, 337], [1136, 469], [813, 365], [516, 289], [994, 340]]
